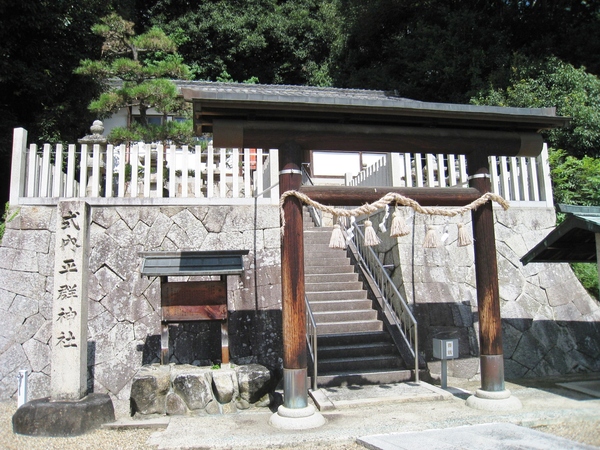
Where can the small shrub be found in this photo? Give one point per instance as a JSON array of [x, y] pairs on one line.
[[587, 273]]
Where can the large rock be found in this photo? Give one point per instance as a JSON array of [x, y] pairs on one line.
[[42, 417], [149, 390], [194, 387], [225, 386], [254, 381]]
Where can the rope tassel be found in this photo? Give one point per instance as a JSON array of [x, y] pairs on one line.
[[431, 239], [337, 238], [371, 238], [398, 227], [464, 238]]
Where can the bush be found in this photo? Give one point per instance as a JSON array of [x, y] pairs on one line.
[[587, 273]]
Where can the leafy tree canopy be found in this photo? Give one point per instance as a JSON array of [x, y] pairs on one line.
[[448, 50], [552, 83], [273, 41]]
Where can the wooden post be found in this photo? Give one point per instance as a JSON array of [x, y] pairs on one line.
[[292, 282], [486, 275]]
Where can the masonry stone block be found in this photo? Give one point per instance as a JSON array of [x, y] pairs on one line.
[[36, 218], [158, 231], [530, 350], [105, 217], [193, 228], [511, 281], [33, 240], [37, 353], [149, 390], [215, 218], [121, 233], [225, 386], [175, 405], [254, 381], [513, 369], [194, 388], [29, 328], [24, 306]]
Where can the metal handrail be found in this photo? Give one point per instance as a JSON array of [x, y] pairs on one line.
[[315, 214], [390, 297], [311, 339]]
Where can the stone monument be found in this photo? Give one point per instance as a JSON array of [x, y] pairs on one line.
[[69, 411]]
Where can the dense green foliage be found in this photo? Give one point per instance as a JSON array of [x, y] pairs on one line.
[[448, 50], [287, 42], [587, 273]]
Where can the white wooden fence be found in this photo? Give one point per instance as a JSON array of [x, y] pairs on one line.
[[142, 171], [521, 180]]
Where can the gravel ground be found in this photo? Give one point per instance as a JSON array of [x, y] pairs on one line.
[[585, 431]]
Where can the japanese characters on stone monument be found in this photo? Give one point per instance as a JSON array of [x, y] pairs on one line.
[[70, 308]]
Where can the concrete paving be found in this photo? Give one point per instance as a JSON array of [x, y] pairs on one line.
[[473, 437], [401, 416]]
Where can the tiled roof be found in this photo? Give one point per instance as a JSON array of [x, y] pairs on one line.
[[335, 96]]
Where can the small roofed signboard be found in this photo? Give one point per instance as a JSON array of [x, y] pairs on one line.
[[194, 300]]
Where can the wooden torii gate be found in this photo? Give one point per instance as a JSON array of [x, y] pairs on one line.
[[296, 119]]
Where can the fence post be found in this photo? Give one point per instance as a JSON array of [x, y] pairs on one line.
[[274, 175], [17, 173], [546, 183], [395, 169]]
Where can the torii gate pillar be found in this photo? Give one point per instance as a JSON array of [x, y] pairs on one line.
[[295, 413], [492, 395]]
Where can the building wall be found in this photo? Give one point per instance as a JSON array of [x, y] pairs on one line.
[[550, 323], [124, 316]]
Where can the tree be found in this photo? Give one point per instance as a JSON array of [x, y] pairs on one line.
[[41, 42], [447, 50], [553, 83], [274, 41], [134, 70]]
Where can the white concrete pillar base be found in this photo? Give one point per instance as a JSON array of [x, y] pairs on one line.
[[297, 418], [494, 401]]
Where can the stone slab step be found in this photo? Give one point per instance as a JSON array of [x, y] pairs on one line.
[[360, 378], [375, 362], [351, 294], [357, 350], [332, 257], [319, 270], [344, 316], [353, 338], [333, 286], [331, 277], [357, 326], [340, 305]]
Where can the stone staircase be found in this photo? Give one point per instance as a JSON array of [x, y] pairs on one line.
[[353, 345]]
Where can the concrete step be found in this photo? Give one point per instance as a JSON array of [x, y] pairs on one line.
[[344, 316], [357, 326], [353, 294], [357, 350], [333, 286], [332, 257], [340, 305], [321, 270], [344, 339], [330, 277], [367, 363], [362, 378]]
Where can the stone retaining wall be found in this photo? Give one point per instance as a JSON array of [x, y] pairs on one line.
[[124, 319], [184, 389], [550, 323]]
